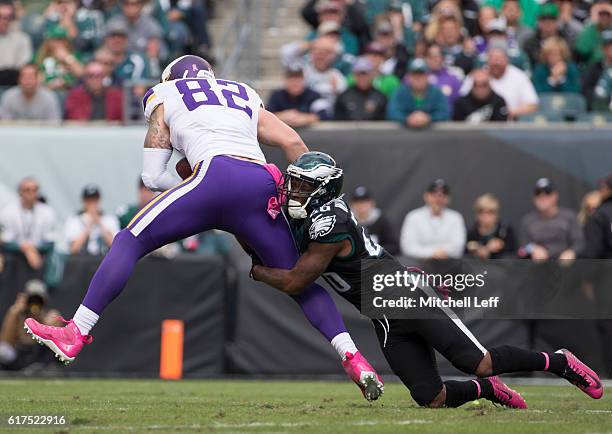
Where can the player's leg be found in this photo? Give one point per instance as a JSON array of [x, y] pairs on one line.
[[413, 360], [455, 342], [175, 214]]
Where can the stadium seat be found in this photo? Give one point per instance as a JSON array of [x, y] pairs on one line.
[[596, 118], [559, 107], [534, 118]]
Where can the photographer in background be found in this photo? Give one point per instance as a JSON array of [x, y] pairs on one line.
[[17, 349]]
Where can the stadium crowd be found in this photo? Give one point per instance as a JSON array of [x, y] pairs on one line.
[[420, 61], [411, 61], [71, 59]]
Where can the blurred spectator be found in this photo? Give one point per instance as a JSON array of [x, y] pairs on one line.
[[352, 17], [61, 13], [83, 23], [597, 81], [556, 72], [528, 9], [389, 53], [140, 26], [128, 65], [319, 72], [590, 203], [489, 238], [330, 30], [434, 231], [297, 105], [184, 23], [496, 34], [61, 66], [458, 50], [517, 31], [93, 100], [481, 104], [91, 230], [361, 101], [550, 231], [30, 100], [417, 103], [375, 52], [15, 46], [486, 15], [448, 80], [17, 349], [548, 26], [126, 213], [28, 226], [509, 82], [570, 27], [589, 42], [444, 9], [598, 228], [373, 220], [333, 12]]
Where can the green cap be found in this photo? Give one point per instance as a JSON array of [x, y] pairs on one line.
[[548, 10], [57, 32]]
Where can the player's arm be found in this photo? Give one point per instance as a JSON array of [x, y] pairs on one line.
[[157, 153], [307, 269], [274, 132]]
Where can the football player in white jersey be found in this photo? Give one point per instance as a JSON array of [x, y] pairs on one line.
[[217, 124]]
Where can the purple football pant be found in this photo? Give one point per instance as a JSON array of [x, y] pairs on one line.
[[231, 195]]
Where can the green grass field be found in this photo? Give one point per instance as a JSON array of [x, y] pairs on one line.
[[284, 406]]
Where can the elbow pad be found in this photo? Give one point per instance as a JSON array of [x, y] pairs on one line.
[[154, 170]]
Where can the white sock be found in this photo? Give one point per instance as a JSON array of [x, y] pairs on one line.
[[343, 343], [85, 319]]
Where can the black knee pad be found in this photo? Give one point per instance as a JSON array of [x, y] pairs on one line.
[[424, 393]]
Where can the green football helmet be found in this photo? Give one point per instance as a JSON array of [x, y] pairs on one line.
[[310, 182]]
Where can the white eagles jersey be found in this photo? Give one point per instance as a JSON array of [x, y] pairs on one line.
[[208, 117]]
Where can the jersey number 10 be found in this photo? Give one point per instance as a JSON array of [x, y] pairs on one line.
[[198, 92]]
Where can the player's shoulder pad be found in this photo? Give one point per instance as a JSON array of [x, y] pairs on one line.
[[151, 99], [329, 220]]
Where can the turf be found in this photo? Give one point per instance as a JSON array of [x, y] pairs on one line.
[[284, 406]]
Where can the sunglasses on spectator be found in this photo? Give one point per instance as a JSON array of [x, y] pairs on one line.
[[482, 84], [94, 75], [29, 190]]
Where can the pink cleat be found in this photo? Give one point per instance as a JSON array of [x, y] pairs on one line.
[[581, 376], [66, 342], [505, 396], [364, 376]]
